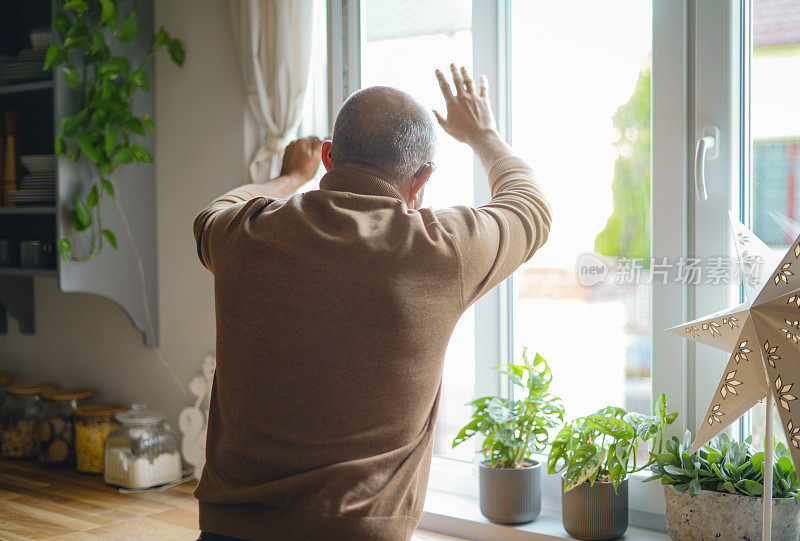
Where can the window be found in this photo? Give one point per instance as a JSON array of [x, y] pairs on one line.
[[605, 100], [580, 110], [404, 43], [772, 200]]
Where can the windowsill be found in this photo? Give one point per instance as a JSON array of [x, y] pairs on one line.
[[460, 516]]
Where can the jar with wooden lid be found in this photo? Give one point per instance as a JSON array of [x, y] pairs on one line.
[[57, 429], [20, 418], [93, 424]]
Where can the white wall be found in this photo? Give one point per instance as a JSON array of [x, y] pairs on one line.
[[83, 340]]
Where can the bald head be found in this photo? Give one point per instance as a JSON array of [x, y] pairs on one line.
[[384, 129]]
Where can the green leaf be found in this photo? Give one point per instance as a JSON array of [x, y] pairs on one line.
[[140, 78], [135, 125], [161, 38], [616, 428], [78, 6], [61, 145], [109, 139], [53, 57], [750, 487], [92, 198], [148, 122], [757, 460], [176, 51], [72, 77], [129, 28], [112, 240], [785, 464], [82, 215], [88, 148], [64, 248], [675, 470], [71, 124], [108, 187], [98, 117], [123, 155], [108, 12], [140, 153], [61, 21], [694, 486]]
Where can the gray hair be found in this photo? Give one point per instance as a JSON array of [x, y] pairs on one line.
[[385, 129]]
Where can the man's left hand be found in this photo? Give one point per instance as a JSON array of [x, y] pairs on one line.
[[301, 158]]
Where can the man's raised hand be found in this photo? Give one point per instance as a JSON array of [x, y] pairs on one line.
[[469, 113], [301, 159]]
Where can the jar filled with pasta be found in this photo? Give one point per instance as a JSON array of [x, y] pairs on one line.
[[20, 418], [57, 429], [93, 424]]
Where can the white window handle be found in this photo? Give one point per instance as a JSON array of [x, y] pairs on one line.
[[707, 142]]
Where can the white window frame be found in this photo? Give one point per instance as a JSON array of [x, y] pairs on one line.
[[695, 81]]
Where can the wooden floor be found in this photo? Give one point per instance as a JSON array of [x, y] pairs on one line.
[[47, 504]]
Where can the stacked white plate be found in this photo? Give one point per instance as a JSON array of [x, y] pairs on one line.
[[38, 187], [28, 67]]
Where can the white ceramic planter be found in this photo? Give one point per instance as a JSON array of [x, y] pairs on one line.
[[719, 515]]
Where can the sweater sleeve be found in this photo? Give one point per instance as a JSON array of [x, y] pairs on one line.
[[209, 219], [495, 239]]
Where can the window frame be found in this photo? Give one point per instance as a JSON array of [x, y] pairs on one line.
[[686, 63]]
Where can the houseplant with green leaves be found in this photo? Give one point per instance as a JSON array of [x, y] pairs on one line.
[[717, 491], [595, 455], [513, 429], [104, 128]]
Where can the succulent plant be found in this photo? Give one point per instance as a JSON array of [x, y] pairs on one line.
[[723, 465]]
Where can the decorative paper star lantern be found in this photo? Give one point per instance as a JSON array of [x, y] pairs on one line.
[[763, 337]]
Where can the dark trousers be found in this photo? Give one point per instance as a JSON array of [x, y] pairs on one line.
[[208, 536]]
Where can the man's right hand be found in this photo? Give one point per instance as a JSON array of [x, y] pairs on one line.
[[469, 115]]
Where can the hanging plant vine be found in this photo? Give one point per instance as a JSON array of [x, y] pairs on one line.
[[104, 128]]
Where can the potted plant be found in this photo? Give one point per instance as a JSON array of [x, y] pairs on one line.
[[510, 480], [716, 493], [596, 454]]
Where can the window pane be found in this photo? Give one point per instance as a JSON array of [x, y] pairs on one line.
[[405, 43], [775, 132], [580, 107]]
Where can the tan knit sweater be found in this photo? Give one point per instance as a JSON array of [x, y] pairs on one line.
[[334, 310]]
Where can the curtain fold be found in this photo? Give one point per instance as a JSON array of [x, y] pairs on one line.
[[274, 41]]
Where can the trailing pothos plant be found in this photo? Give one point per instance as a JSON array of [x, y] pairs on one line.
[[103, 128], [723, 465], [605, 446], [515, 428]]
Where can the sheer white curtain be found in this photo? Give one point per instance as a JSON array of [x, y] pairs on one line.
[[274, 41]]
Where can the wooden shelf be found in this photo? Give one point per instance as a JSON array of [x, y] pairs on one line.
[[33, 209], [27, 272], [15, 88]]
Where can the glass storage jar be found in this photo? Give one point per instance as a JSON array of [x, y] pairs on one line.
[[19, 420], [93, 424], [57, 429], [143, 452]]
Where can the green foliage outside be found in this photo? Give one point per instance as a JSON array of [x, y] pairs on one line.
[[627, 232]]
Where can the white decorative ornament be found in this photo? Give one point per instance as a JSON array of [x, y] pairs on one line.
[[193, 420], [761, 335]]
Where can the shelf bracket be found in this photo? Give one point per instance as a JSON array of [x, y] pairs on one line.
[[16, 300]]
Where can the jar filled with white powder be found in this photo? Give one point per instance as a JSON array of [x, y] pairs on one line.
[[143, 451]]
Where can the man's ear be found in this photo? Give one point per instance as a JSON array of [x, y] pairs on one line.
[[327, 156], [419, 181]]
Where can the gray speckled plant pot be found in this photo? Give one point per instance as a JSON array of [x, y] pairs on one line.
[[511, 495], [595, 512], [719, 515]]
